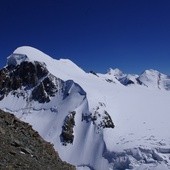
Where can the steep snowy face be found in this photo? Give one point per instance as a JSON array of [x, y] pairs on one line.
[[150, 78], [154, 79]]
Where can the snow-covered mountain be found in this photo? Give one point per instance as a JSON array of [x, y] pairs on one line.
[[149, 78], [155, 79], [95, 121]]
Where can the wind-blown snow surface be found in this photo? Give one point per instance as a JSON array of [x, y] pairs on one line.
[[141, 115]]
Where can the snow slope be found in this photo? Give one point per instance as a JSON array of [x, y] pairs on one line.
[[154, 79], [139, 111]]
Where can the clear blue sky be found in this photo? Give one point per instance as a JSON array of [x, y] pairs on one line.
[[132, 35]]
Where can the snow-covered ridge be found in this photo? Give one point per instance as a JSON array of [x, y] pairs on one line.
[[149, 78], [33, 54], [155, 79], [138, 105], [26, 53]]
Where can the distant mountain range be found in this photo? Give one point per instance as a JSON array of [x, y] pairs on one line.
[[111, 121]]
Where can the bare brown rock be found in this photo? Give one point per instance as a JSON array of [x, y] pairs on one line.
[[22, 148]]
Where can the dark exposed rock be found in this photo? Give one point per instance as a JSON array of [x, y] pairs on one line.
[[16, 143], [138, 81], [39, 94], [94, 73], [28, 75], [22, 147], [105, 120], [41, 70], [67, 129], [125, 81], [109, 80]]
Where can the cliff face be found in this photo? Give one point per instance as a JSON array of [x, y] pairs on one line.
[[26, 76], [22, 148]]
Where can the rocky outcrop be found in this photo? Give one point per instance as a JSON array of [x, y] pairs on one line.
[[27, 76], [67, 135], [22, 147], [100, 118]]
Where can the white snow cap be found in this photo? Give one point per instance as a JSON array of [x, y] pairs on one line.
[[66, 69], [26, 53], [115, 72], [151, 72], [32, 53]]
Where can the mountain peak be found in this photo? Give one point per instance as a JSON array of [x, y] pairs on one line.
[[34, 54], [115, 72], [27, 53], [66, 68], [151, 71], [26, 50]]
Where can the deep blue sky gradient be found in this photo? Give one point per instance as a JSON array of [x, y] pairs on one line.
[[132, 35]]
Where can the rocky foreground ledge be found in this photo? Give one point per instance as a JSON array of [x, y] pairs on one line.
[[22, 148]]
